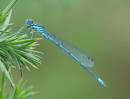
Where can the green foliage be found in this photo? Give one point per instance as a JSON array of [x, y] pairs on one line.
[[17, 51], [5, 24], [4, 13], [20, 91], [5, 16], [2, 18]]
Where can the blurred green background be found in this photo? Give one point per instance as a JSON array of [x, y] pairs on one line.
[[99, 27]]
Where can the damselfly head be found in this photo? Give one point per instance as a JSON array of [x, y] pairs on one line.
[[29, 22]]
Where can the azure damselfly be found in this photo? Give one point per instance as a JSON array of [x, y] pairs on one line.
[[85, 61]]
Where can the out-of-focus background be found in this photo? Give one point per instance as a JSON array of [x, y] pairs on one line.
[[101, 28]]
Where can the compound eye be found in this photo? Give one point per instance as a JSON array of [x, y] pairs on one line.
[[29, 22]]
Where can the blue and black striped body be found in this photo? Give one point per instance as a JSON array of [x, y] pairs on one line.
[[41, 30], [84, 60]]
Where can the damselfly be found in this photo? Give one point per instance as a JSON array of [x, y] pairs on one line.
[[85, 61]]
